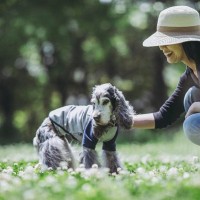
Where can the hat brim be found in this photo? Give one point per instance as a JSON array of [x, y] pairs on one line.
[[160, 39]]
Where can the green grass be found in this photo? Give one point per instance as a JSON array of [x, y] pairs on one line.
[[164, 170]]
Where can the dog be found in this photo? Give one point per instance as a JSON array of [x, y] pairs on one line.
[[89, 124]]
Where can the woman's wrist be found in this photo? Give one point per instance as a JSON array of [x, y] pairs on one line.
[[145, 121]]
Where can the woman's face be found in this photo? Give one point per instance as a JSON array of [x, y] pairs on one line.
[[174, 53]]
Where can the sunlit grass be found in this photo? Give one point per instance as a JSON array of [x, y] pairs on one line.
[[168, 169]]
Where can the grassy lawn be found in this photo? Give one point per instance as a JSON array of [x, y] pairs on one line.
[[164, 170]]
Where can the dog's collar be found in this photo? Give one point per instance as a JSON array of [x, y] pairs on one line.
[[112, 123], [101, 131]]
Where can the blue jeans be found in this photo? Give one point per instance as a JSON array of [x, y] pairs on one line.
[[191, 125]]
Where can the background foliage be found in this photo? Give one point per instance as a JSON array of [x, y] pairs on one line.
[[53, 52]]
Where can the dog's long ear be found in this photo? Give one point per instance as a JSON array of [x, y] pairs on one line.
[[93, 92], [123, 110]]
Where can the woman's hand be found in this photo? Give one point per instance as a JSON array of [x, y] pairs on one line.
[[194, 108]]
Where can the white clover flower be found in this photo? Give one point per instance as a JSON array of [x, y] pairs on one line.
[[50, 169], [71, 182], [70, 170], [92, 172], [82, 165], [29, 176], [197, 166], [8, 170], [105, 170], [80, 170], [151, 174], [5, 186], [119, 169], [86, 187], [51, 180], [56, 188], [29, 195], [65, 168], [155, 180], [195, 159], [95, 166], [5, 176], [186, 175], [42, 184], [172, 172], [165, 159], [16, 181], [114, 174], [124, 172], [38, 166], [102, 173], [64, 165], [21, 174], [140, 170], [29, 170], [162, 168], [45, 168], [145, 176], [138, 182]]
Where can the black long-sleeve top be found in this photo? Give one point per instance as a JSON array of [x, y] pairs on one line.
[[171, 110]]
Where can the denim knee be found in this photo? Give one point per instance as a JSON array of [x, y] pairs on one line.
[[191, 128], [192, 95]]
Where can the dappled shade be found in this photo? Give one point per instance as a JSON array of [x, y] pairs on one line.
[[54, 52]]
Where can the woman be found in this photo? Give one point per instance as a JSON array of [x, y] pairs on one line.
[[178, 37]]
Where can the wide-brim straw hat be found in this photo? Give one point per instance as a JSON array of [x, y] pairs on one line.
[[175, 25]]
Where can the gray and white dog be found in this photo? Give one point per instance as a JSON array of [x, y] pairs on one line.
[[88, 124]]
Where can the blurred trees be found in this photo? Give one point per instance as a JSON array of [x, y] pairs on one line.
[[53, 52]]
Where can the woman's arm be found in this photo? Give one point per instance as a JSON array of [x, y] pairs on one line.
[[144, 121]]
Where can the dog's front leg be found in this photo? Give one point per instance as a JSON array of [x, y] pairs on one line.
[[111, 160], [89, 157]]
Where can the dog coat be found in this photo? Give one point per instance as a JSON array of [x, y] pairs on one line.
[[77, 121]]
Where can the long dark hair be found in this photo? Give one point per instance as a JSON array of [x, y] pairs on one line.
[[192, 51]]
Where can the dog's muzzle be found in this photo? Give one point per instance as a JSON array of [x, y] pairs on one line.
[[97, 117]]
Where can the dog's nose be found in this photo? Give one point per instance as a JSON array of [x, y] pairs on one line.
[[96, 117]]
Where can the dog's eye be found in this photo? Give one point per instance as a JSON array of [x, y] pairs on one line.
[[106, 101]]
